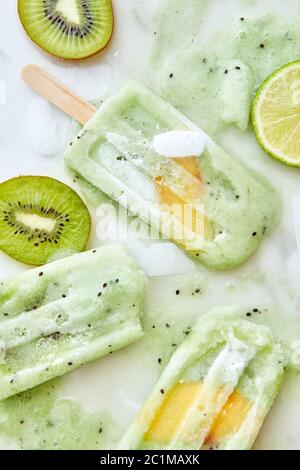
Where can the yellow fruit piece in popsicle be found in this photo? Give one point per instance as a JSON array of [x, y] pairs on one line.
[[194, 220], [172, 411], [230, 419], [190, 164], [177, 404]]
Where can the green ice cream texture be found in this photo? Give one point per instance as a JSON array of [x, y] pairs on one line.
[[213, 100], [58, 317], [216, 390], [42, 419], [114, 153], [212, 77]]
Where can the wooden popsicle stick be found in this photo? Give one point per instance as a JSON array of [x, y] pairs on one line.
[[57, 93]]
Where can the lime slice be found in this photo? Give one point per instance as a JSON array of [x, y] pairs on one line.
[[276, 114]]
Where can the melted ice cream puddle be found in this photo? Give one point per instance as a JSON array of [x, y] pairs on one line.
[[296, 213], [179, 144]]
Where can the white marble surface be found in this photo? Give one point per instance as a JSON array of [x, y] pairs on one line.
[[119, 383]]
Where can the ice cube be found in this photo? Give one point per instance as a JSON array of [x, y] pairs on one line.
[[293, 262], [165, 259], [178, 144], [160, 259], [42, 128], [139, 251]]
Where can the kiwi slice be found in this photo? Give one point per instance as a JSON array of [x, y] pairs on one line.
[[40, 216], [71, 29]]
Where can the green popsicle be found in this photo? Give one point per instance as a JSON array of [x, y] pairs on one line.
[[60, 316], [232, 205], [216, 390]]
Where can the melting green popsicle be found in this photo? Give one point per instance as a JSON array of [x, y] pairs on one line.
[[216, 390], [56, 318], [225, 208]]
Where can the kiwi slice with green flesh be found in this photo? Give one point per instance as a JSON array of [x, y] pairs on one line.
[[40, 216], [71, 29]]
